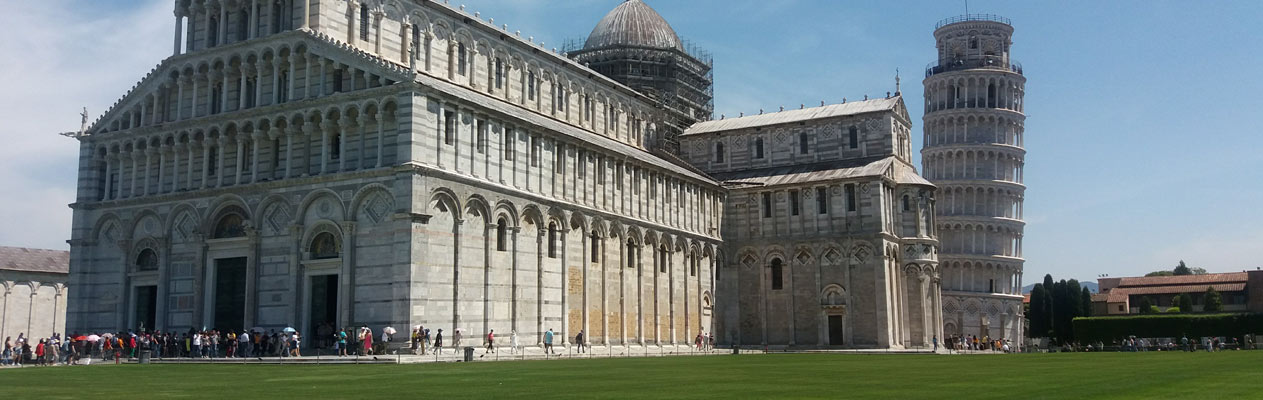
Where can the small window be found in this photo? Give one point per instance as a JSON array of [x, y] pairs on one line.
[[803, 143], [502, 235], [758, 148], [595, 247], [767, 205], [335, 147], [212, 161], [973, 42], [906, 204], [449, 127], [693, 267], [552, 240], [212, 32], [481, 146], [793, 202], [508, 144], [499, 73], [719, 152], [631, 254], [854, 138], [662, 259], [822, 200], [337, 81], [364, 22], [850, 197], [530, 85], [416, 41], [247, 151], [778, 280], [462, 59], [535, 149]]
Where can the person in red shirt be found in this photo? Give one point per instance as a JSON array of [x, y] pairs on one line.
[[39, 353]]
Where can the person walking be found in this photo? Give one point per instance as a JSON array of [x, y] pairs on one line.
[[423, 339], [438, 342], [491, 342], [512, 341], [578, 340], [456, 340], [548, 341], [935, 343], [367, 339], [342, 342], [243, 344], [697, 341]]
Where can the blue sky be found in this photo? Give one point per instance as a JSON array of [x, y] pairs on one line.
[[1143, 124]]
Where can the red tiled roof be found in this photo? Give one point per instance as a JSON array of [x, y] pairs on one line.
[[1113, 296], [34, 260], [1177, 289], [1231, 277]]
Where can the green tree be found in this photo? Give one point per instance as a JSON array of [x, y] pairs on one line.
[[1182, 269], [1213, 302], [1160, 273], [1038, 314], [1199, 271], [1086, 298], [1144, 305], [1184, 302], [1048, 306]]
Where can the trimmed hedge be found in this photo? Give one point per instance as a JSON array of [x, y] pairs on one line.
[[1108, 329]]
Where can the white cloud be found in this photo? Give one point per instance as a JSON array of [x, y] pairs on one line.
[[64, 55]]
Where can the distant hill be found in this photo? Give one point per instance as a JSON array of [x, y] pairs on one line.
[[1090, 285]]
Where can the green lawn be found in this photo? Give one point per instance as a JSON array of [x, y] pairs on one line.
[[1224, 375]]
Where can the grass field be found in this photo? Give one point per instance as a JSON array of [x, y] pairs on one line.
[[1225, 375]]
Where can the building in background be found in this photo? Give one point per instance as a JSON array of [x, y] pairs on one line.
[[635, 46], [973, 151], [828, 230], [1239, 291], [33, 282]]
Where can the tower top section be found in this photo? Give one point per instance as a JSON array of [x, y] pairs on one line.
[[635, 24], [973, 41]]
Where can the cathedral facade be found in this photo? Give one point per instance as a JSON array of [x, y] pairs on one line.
[[336, 163]]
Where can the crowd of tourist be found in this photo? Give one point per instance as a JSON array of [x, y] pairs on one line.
[[974, 343]]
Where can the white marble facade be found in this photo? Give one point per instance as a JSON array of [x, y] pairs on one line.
[[388, 164]]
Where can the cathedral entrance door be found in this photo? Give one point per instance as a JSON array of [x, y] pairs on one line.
[[836, 335], [322, 308], [230, 294], [146, 311]]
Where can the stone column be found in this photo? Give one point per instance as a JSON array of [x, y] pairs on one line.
[[289, 150], [353, 32], [109, 165], [134, 155], [565, 281], [254, 19], [293, 71], [162, 168], [405, 45], [192, 157], [223, 27], [310, 129], [327, 129], [175, 166], [239, 158], [246, 70], [377, 36], [306, 14], [255, 138], [381, 134], [346, 281], [179, 31], [539, 286]]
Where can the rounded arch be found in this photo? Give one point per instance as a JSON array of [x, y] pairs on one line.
[[323, 241], [833, 295], [445, 200], [305, 206], [373, 202], [222, 204]]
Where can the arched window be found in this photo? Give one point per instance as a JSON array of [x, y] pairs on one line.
[[212, 160], [212, 32], [364, 22], [596, 247], [462, 59], [243, 25], [778, 281], [324, 246], [631, 254], [693, 266], [416, 41], [662, 259], [247, 151], [147, 260], [335, 147], [719, 152], [230, 226], [502, 235], [552, 240]]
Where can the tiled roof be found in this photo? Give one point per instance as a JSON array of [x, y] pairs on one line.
[[34, 260], [785, 117], [1184, 279], [1114, 296], [1177, 289], [795, 174]]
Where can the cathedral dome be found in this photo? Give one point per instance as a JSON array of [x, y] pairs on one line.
[[633, 23]]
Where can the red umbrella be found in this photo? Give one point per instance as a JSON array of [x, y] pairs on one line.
[[81, 338]]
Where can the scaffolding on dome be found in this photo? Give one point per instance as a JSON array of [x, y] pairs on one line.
[[681, 81]]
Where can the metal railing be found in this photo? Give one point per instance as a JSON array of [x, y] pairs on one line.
[[982, 62], [972, 17]]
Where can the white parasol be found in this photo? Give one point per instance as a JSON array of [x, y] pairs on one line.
[[107, 335], [389, 330], [93, 338], [289, 329]]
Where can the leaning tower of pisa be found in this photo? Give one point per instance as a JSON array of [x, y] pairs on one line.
[[974, 153]]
